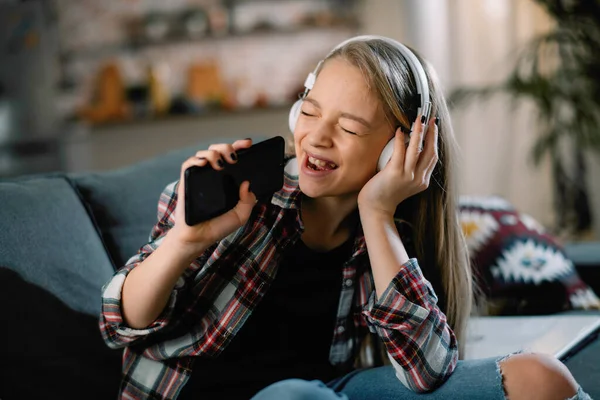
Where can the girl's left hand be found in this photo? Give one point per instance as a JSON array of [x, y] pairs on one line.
[[408, 172]]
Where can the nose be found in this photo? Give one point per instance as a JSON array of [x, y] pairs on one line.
[[321, 135]]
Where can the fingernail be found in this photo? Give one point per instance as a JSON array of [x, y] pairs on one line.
[[233, 156], [437, 121], [423, 119], [220, 163]]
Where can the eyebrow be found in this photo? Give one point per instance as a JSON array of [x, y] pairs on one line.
[[343, 115]]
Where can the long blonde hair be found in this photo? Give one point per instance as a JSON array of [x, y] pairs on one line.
[[439, 242]]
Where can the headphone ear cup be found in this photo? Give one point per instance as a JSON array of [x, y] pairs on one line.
[[294, 114], [386, 155]]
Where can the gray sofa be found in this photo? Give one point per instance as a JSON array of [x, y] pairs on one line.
[[62, 236]]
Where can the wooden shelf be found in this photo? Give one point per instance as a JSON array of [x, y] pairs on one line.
[[136, 45]]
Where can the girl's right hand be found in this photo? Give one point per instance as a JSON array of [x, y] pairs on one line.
[[208, 232]]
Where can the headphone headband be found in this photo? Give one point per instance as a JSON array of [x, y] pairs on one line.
[[413, 62]]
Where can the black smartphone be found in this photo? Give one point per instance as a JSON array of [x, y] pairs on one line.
[[210, 193]]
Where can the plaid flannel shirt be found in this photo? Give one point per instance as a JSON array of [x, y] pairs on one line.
[[219, 290]]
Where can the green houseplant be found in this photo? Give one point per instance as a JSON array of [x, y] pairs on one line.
[[559, 72]]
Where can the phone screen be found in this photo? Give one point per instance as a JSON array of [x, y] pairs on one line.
[[210, 193]]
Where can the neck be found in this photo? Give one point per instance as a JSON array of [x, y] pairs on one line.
[[328, 221]]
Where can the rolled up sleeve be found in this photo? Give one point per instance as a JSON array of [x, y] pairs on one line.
[[115, 331], [420, 344]]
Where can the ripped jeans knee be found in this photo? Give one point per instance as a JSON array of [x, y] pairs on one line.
[[541, 374]]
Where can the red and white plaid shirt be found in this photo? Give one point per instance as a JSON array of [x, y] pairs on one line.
[[219, 290]]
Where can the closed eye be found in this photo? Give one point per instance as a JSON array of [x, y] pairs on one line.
[[347, 131], [307, 114]]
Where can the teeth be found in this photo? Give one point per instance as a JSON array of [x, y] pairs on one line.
[[321, 163], [317, 162]]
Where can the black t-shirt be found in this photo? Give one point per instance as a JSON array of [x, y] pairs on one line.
[[288, 335]]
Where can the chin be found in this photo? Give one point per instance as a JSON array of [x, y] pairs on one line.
[[316, 191], [312, 190]]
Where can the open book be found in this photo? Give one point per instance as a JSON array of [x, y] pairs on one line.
[[558, 335]]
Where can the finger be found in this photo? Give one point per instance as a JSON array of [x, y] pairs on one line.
[[214, 158], [429, 168], [226, 150], [428, 175], [399, 150], [247, 201], [246, 196], [414, 146], [429, 154], [242, 144], [193, 161]]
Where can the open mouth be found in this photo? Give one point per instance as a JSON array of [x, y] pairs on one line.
[[320, 165]]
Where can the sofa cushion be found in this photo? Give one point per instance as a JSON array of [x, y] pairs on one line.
[[51, 351], [124, 202], [49, 239], [521, 268]]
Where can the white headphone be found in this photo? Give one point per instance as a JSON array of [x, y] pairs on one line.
[[418, 74]]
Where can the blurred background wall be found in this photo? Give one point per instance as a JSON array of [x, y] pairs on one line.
[[474, 42], [95, 85]]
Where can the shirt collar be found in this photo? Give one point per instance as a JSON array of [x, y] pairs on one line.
[[289, 195]]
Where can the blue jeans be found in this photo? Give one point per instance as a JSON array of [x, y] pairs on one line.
[[473, 379]]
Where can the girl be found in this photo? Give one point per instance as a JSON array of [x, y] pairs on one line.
[[293, 287]]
